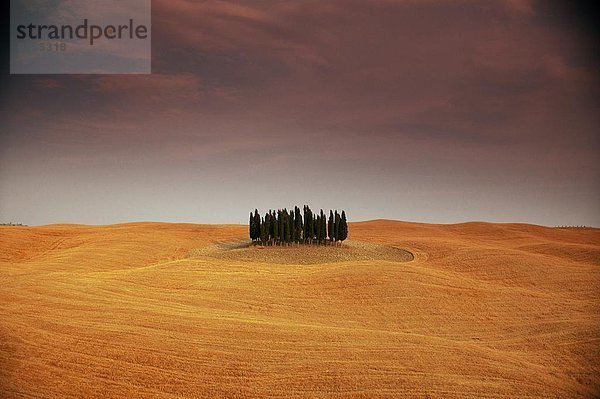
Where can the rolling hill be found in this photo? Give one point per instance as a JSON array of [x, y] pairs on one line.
[[402, 310]]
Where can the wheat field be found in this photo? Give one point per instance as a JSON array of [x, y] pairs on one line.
[[159, 310]]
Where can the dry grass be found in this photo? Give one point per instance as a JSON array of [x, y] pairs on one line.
[[484, 310], [294, 254]]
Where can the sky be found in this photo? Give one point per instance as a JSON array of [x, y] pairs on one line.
[[428, 110]]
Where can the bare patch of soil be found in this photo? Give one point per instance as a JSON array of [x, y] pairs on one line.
[[349, 251]]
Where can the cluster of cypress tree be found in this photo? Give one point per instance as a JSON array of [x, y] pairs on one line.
[[283, 227]]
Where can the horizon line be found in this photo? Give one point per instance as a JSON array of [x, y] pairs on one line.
[[18, 224]]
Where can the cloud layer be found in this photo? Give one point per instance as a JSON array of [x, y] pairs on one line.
[[429, 110]]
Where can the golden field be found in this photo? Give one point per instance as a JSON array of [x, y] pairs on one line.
[[183, 310]]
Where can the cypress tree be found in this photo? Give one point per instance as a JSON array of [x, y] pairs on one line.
[[313, 225], [257, 224], [330, 226], [336, 228], [324, 227], [275, 229], [344, 227], [308, 224], [287, 226], [292, 226], [267, 227], [318, 229], [305, 227], [333, 237], [322, 232], [266, 223], [254, 225], [263, 238], [298, 220], [281, 226], [271, 228]]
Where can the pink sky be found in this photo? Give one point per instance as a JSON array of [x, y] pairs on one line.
[[416, 110]]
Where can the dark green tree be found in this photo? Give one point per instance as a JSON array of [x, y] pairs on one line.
[[281, 226], [308, 224], [292, 215], [288, 232], [263, 236], [324, 227], [343, 227], [255, 225], [336, 227], [321, 228], [298, 221], [275, 228], [330, 226], [267, 223], [318, 229]]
